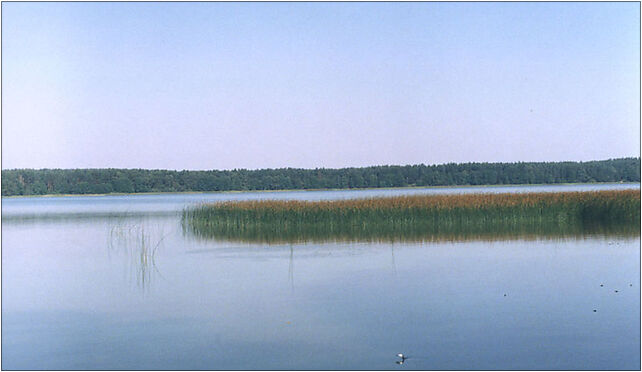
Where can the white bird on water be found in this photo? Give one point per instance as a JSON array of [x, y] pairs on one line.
[[403, 358]]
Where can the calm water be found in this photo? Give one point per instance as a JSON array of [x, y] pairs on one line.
[[115, 283]]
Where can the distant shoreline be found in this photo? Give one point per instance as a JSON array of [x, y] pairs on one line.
[[112, 181], [313, 190]]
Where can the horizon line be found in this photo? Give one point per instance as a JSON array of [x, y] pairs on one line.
[[318, 168]]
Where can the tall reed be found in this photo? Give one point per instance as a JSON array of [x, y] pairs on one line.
[[419, 217]]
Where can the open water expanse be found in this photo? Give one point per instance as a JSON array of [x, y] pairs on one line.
[[115, 282]]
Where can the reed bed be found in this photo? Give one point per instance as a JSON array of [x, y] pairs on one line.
[[420, 217]]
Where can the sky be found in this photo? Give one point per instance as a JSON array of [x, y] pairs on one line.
[[307, 85]]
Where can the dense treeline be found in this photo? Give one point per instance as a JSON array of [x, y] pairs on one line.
[[103, 181]]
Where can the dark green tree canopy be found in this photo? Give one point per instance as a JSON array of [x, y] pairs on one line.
[[102, 181]]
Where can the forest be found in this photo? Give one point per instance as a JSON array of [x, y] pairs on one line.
[[105, 181]]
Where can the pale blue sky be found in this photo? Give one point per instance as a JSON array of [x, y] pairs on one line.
[[257, 85]]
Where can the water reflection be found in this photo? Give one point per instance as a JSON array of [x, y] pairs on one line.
[[92, 293], [134, 236], [139, 247], [394, 265], [54, 218], [291, 268], [408, 232]]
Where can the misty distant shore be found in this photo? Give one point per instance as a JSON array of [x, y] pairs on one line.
[[57, 182]]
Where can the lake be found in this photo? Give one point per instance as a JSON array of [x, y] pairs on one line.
[[115, 282]]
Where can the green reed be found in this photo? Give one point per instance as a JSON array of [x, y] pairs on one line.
[[420, 218]]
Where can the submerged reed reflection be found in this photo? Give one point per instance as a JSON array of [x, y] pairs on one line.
[[291, 268]]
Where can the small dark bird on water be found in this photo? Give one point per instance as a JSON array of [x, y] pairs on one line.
[[601, 285], [616, 291], [504, 294], [595, 311]]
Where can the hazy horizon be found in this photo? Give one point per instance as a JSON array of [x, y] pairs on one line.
[[200, 86], [364, 166]]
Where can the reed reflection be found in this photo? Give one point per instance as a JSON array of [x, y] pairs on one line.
[[320, 233], [291, 268], [140, 247]]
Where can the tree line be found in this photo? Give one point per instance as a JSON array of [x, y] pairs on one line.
[[105, 181]]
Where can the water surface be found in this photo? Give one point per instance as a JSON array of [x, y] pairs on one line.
[[115, 283]]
